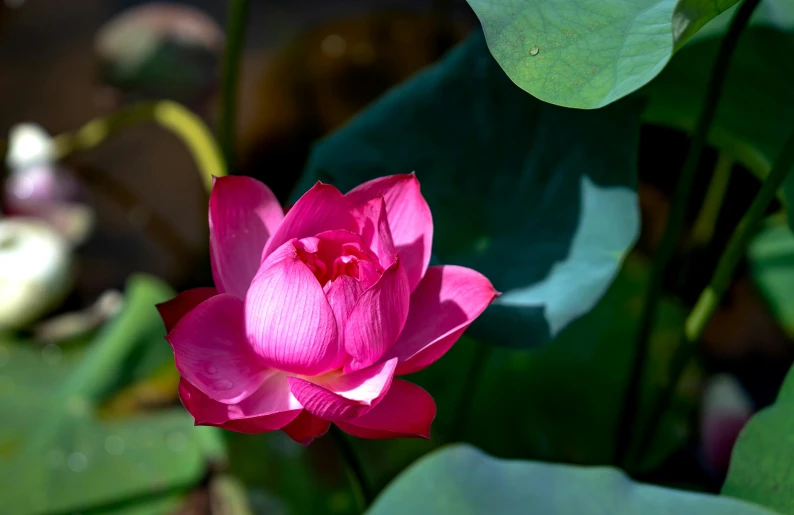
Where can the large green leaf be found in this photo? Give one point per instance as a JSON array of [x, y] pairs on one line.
[[692, 15], [771, 257], [762, 462], [577, 381], [461, 479], [60, 456], [533, 404], [756, 110], [538, 198], [589, 53]]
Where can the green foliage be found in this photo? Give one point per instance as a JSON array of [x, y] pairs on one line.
[[756, 110], [557, 402], [762, 462], [586, 54], [538, 198], [461, 479], [61, 456], [575, 382], [691, 15], [771, 257]]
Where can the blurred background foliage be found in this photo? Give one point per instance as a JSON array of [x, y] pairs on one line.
[[91, 422]]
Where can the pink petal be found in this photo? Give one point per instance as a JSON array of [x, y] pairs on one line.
[[406, 411], [287, 317], [409, 219], [344, 396], [244, 214], [212, 352], [342, 295], [375, 231], [447, 300], [306, 428], [322, 208], [268, 409], [173, 310], [377, 319]]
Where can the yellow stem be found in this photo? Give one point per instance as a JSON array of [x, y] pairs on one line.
[[173, 117]]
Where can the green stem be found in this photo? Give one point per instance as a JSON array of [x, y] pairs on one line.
[[169, 115], [235, 40], [734, 252], [710, 298], [479, 360], [674, 228], [355, 471], [703, 229]]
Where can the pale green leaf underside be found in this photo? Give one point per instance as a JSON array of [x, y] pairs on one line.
[[588, 53], [461, 479]]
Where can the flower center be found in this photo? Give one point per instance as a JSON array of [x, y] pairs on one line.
[[336, 253]]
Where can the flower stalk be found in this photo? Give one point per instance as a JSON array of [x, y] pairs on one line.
[[674, 228], [355, 471], [235, 40], [710, 297]]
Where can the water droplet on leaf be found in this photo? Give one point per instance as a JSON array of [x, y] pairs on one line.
[[114, 445], [534, 50], [77, 461], [176, 441], [51, 354], [56, 458]]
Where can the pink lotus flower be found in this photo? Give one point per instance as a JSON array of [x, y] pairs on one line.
[[317, 310]]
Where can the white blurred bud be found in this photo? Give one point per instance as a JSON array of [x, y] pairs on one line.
[[35, 270], [29, 145]]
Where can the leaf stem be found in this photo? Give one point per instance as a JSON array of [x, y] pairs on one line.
[[710, 297], [355, 471], [175, 118], [674, 228], [235, 40], [734, 252], [703, 229], [482, 353]]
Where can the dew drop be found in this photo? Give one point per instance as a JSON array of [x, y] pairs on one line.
[[114, 445], [176, 441], [534, 50], [77, 406], [210, 369], [51, 354], [56, 458], [77, 461], [223, 385]]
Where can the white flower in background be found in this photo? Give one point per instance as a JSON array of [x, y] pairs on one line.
[[35, 270], [38, 187], [29, 145]]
